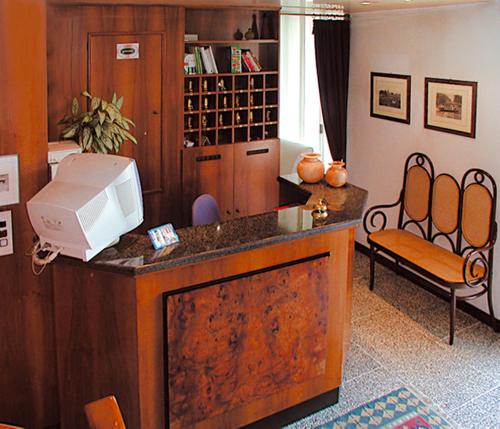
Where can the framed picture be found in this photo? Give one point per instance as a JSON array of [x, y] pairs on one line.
[[390, 97], [9, 180], [450, 106]]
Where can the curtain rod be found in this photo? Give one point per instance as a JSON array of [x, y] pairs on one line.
[[338, 16]]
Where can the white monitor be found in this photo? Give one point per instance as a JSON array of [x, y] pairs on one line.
[[91, 202]]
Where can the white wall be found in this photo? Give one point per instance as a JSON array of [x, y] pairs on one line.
[[461, 42]]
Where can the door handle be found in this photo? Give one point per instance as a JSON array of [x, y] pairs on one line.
[[257, 151], [208, 158]]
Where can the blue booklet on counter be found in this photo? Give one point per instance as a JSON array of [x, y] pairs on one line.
[[162, 236]]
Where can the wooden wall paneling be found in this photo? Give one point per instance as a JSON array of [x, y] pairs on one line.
[[208, 170], [28, 382], [139, 81], [221, 24], [173, 104], [256, 169], [69, 66]]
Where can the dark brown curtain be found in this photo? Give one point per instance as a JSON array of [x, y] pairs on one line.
[[331, 40]]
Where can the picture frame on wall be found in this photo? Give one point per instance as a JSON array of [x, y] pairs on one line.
[[450, 106], [390, 97]]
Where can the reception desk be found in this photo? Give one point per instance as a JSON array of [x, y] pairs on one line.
[[241, 323]]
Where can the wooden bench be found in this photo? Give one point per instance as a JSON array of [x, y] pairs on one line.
[[436, 212]]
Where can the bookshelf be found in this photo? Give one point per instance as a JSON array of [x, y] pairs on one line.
[[230, 120]]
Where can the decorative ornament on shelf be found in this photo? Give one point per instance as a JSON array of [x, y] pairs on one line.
[[336, 175], [238, 35], [249, 35], [255, 30], [311, 169], [103, 129]]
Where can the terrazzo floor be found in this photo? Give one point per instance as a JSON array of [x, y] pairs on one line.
[[400, 339]]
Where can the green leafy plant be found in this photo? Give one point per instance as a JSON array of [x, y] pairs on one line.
[[103, 129]]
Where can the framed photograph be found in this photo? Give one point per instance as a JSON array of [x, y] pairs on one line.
[[9, 180], [390, 97], [450, 106]]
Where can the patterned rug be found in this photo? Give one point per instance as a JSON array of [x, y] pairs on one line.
[[399, 409]]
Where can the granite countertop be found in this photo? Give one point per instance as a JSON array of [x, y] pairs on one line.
[[134, 254]]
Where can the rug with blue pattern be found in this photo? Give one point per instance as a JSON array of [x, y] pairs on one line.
[[400, 409]]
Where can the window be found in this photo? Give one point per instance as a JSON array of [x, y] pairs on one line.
[[300, 109]]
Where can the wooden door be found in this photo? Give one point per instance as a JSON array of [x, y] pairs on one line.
[[139, 81], [208, 170], [256, 169]]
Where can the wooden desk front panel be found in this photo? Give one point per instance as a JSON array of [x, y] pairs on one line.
[[111, 337], [234, 342]]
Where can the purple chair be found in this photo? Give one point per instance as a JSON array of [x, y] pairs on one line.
[[205, 210]]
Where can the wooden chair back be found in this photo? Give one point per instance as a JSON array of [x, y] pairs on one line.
[[441, 208], [104, 414], [416, 194]]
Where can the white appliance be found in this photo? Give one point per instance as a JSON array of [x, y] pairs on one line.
[[58, 151], [91, 202]]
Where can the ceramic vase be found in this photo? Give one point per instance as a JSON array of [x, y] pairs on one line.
[[336, 175], [311, 168]]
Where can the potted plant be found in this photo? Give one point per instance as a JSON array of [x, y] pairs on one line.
[[103, 129]]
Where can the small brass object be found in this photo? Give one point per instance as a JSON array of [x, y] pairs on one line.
[[251, 101], [320, 210], [190, 123], [190, 86], [250, 117], [224, 102], [190, 104], [205, 85], [237, 101], [222, 85], [221, 120], [205, 103], [238, 118], [204, 121], [252, 83], [268, 115]]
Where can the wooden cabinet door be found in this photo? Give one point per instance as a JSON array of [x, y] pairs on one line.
[[208, 170], [140, 82], [256, 168]]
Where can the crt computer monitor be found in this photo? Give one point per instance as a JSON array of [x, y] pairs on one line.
[[91, 202]]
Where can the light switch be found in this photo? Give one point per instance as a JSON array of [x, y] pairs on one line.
[[6, 238]]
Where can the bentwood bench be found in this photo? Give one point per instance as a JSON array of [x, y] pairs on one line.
[[436, 210]]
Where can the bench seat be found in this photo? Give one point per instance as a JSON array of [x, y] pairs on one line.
[[440, 210], [429, 257]]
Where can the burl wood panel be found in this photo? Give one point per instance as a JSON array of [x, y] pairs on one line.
[[235, 342]]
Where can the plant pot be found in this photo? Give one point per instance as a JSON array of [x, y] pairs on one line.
[[336, 175], [311, 168]]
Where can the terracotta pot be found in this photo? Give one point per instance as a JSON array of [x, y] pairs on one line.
[[311, 169], [336, 175]]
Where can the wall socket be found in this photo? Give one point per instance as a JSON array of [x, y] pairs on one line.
[[6, 237]]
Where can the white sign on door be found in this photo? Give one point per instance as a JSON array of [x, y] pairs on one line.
[[127, 51]]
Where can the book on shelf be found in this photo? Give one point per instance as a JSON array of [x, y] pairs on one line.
[[250, 61], [198, 62], [209, 63], [189, 64], [235, 59]]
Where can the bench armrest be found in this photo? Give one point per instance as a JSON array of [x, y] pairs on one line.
[[370, 217], [477, 261]]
